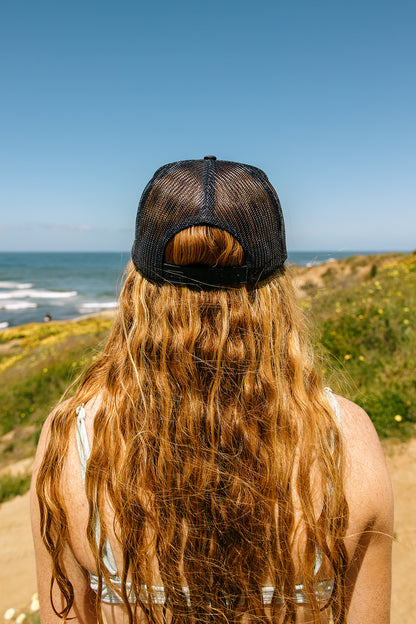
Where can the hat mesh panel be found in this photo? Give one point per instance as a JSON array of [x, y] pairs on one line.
[[244, 203]]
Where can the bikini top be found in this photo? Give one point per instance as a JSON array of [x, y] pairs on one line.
[[156, 594]]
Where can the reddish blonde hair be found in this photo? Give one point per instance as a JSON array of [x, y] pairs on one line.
[[207, 398]]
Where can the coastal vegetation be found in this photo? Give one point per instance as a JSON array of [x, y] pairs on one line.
[[37, 363], [362, 312], [364, 322]]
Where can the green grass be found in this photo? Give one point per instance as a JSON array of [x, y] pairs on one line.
[[37, 363], [366, 339], [11, 486]]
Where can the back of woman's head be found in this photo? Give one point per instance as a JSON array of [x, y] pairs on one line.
[[212, 420], [233, 197]]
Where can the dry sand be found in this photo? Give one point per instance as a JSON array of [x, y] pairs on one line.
[[402, 464], [17, 566]]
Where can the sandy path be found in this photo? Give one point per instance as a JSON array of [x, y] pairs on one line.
[[17, 563], [402, 464], [17, 568]]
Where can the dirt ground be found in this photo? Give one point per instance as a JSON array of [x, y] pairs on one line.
[[17, 566], [402, 464]]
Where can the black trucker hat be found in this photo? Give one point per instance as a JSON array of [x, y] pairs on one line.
[[231, 196]]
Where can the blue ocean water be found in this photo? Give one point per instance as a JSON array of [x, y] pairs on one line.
[[67, 285], [63, 285]]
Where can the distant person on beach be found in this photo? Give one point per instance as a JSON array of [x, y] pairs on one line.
[[201, 472], [47, 318]]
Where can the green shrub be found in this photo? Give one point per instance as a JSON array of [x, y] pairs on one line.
[[367, 344], [373, 271], [13, 485]]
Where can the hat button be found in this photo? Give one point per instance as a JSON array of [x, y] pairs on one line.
[[210, 158]]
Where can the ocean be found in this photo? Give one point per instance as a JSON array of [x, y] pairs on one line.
[[68, 285]]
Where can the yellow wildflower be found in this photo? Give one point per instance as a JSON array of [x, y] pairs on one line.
[[406, 309], [361, 358], [45, 370], [406, 322], [380, 311], [347, 356], [398, 418]]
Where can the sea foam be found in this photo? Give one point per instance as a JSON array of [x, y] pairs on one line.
[[14, 285], [17, 305], [35, 293], [96, 306], [313, 263]]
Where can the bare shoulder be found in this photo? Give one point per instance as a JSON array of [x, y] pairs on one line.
[[367, 478], [358, 429]]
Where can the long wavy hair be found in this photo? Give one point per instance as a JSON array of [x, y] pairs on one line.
[[215, 446]]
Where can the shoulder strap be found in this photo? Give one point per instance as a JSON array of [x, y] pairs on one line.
[[334, 405], [82, 441], [84, 455]]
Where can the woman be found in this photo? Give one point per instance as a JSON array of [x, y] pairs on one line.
[[200, 472]]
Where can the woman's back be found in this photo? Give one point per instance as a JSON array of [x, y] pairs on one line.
[[200, 450], [368, 539]]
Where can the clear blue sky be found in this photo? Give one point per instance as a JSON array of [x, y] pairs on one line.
[[95, 95]]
